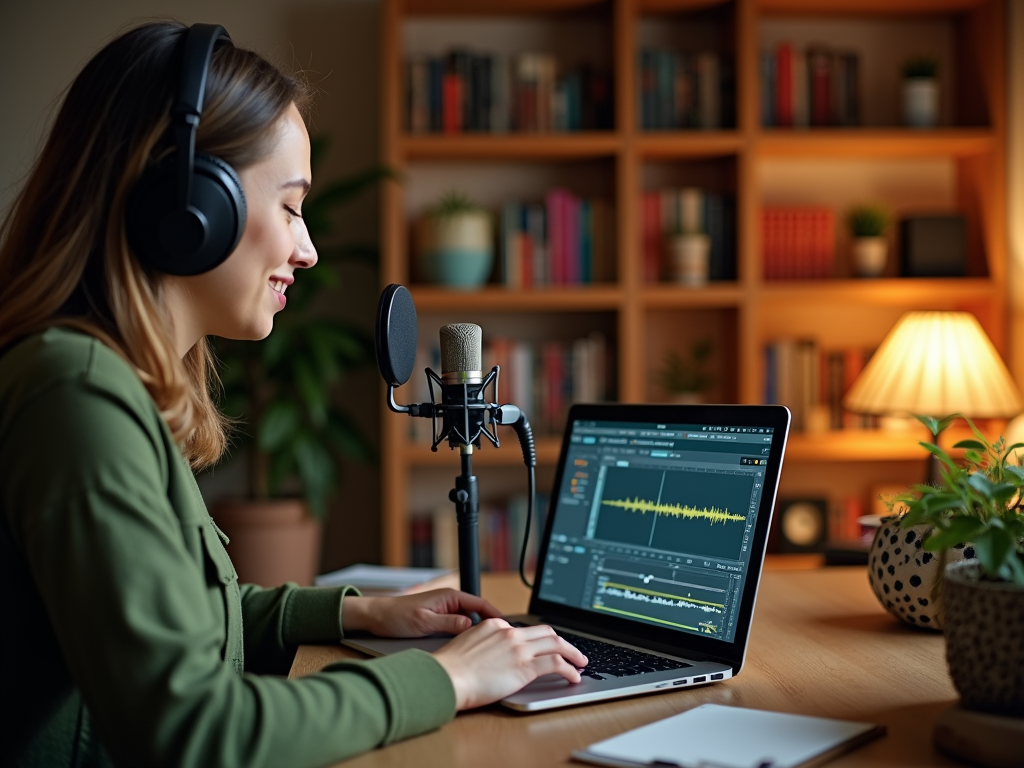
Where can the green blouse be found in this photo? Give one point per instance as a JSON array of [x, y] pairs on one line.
[[127, 638]]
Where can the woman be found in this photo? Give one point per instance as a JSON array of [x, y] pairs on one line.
[[127, 638]]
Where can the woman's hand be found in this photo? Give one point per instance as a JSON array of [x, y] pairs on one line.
[[493, 660], [425, 613]]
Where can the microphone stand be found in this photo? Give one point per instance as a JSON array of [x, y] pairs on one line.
[[466, 498]]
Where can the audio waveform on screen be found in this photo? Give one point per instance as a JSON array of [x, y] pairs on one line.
[[711, 514], [659, 598]]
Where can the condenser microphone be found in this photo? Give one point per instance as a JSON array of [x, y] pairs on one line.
[[464, 407]]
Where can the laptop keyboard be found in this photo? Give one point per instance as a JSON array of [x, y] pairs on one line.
[[609, 660]]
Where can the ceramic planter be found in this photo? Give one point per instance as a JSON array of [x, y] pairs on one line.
[[869, 256], [906, 578], [921, 102], [984, 628], [689, 258], [272, 542], [456, 251]]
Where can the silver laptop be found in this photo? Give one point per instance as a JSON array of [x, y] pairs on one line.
[[652, 549]]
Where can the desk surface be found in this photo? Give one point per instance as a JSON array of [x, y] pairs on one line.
[[820, 645]]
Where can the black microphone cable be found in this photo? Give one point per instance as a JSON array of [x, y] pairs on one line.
[[512, 416]]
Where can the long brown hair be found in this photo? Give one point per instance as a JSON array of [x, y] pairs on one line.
[[64, 257]]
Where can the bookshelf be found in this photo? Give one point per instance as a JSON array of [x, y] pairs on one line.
[[958, 166]]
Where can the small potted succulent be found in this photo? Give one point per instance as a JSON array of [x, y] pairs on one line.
[[455, 243], [921, 92], [686, 377], [980, 501], [868, 224]]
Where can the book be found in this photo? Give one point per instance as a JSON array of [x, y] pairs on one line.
[[769, 739], [380, 580]]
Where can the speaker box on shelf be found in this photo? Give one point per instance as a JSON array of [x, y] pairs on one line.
[[933, 246]]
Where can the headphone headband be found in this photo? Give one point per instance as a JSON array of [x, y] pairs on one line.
[[200, 41]]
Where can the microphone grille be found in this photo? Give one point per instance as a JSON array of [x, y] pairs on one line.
[[461, 345]]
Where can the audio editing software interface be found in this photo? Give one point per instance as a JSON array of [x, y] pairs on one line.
[[654, 522]]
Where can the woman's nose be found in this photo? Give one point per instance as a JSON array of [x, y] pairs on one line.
[[304, 256]]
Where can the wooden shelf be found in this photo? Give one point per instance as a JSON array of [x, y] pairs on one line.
[[874, 142], [907, 292], [866, 7], [856, 445], [576, 298], [670, 145], [512, 146], [678, 297]]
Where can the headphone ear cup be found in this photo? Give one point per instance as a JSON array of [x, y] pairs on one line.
[[176, 242]]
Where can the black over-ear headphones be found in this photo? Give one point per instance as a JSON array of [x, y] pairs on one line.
[[187, 212]]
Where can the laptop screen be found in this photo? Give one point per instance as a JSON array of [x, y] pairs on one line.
[[655, 522]]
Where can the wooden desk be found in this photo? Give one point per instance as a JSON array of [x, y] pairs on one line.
[[820, 645]]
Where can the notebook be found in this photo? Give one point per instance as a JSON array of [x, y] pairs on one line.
[[653, 545], [770, 740]]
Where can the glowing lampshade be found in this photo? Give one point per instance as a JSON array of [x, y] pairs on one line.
[[935, 364]]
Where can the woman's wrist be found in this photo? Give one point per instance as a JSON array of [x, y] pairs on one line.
[[355, 613]]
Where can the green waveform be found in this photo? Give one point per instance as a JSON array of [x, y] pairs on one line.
[[711, 514]]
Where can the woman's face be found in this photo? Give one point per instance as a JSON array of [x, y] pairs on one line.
[[239, 298]]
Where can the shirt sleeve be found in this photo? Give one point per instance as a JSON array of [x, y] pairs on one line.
[[85, 495]]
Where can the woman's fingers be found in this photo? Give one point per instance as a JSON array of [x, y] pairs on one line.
[[493, 660]]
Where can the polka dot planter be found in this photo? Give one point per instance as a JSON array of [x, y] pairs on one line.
[[904, 576]]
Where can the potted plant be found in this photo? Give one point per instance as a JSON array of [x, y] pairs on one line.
[[283, 393], [980, 501], [868, 224], [921, 92], [686, 377], [689, 256], [456, 243]]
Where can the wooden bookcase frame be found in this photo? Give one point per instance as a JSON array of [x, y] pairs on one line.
[[977, 150]]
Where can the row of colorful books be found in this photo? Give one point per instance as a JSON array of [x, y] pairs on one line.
[[689, 210], [817, 86], [541, 378], [685, 90], [812, 383], [566, 240], [798, 243], [434, 540], [464, 91]]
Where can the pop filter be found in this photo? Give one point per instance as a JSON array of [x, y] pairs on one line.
[[396, 334]]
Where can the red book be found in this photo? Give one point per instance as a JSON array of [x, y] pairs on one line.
[[819, 65], [784, 85], [452, 103]]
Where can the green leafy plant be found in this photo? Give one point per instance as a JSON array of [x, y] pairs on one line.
[[283, 390], [455, 203], [980, 501], [868, 220], [688, 373], [920, 68]]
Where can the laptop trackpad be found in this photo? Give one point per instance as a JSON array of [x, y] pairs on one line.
[[385, 646]]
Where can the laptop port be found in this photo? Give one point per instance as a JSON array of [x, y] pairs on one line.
[[700, 679], [718, 676], [679, 682]]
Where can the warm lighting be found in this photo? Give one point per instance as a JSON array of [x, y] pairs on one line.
[[935, 364]]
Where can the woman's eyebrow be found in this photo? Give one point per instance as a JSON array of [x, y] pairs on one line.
[[302, 184]]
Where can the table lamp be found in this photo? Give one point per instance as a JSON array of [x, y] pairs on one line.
[[935, 364]]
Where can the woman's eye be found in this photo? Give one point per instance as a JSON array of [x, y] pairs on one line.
[[293, 212]]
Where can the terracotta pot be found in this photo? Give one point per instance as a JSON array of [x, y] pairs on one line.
[[272, 542], [985, 640], [456, 251], [869, 256]]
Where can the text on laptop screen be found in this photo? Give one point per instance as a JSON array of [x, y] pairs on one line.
[[653, 522]]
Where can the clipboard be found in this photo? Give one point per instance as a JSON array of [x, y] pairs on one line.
[[717, 736]]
